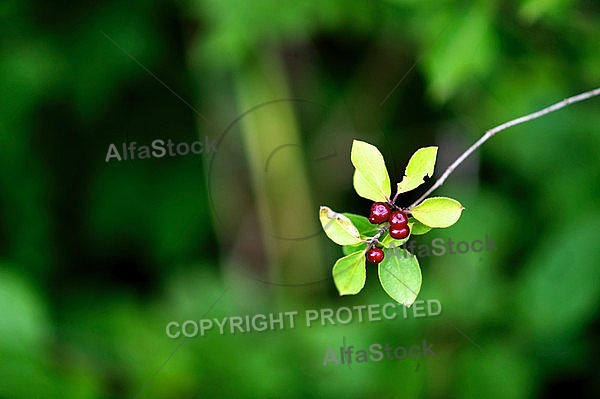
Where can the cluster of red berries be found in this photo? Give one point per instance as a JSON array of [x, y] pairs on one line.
[[381, 213]]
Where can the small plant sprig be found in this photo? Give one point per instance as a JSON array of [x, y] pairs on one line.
[[390, 226], [378, 238]]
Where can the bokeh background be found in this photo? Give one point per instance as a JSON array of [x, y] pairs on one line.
[[97, 257]]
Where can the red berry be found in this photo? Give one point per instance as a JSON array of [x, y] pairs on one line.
[[399, 232], [375, 255], [380, 212], [398, 219]]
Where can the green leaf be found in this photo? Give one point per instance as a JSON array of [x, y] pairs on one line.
[[350, 273], [349, 249], [389, 242], [417, 228], [437, 212], [338, 227], [400, 276], [421, 164], [365, 228], [371, 179]]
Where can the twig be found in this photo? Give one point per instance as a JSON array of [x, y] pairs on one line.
[[376, 237], [504, 126]]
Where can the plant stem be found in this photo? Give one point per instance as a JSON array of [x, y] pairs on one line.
[[375, 238], [504, 126]]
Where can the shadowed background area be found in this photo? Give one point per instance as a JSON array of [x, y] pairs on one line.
[[97, 256]]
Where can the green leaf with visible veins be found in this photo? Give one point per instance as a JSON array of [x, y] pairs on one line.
[[365, 228], [437, 212], [371, 179], [400, 276], [421, 164], [338, 227], [350, 273]]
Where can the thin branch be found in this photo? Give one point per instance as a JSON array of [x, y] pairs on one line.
[[504, 126]]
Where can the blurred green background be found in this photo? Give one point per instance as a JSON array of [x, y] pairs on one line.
[[98, 257]]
